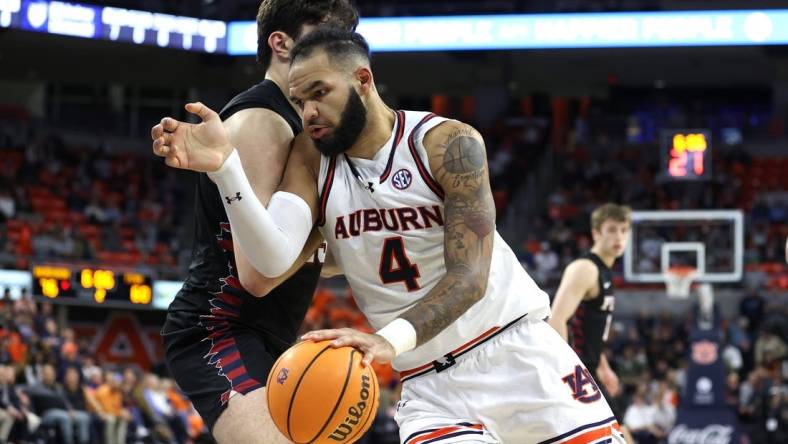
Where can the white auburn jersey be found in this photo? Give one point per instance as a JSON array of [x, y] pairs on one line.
[[384, 227]]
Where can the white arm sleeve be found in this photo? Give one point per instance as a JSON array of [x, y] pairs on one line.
[[272, 238]]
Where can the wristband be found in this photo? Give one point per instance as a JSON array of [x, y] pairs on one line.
[[401, 335]]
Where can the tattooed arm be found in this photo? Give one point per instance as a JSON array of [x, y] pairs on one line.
[[459, 163]]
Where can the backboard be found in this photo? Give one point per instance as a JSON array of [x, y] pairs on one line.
[[712, 241]]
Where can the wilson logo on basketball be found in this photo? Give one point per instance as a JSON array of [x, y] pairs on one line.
[[282, 376], [354, 413], [402, 179]]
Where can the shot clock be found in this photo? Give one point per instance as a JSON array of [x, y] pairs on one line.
[[686, 154]]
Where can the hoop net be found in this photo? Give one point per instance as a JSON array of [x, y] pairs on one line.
[[678, 281]]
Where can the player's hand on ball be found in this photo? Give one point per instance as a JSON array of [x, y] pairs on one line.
[[201, 147], [374, 347]]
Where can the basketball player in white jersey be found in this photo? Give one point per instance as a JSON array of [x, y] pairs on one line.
[[586, 298], [403, 200]]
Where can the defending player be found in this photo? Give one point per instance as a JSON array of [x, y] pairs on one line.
[[220, 338]]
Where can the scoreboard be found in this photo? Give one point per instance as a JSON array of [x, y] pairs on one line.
[[93, 286], [686, 154]]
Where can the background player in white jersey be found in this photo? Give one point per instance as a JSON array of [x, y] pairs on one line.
[[416, 238], [586, 300]]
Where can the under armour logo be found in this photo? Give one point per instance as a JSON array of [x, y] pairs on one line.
[[607, 284], [369, 187], [231, 199], [443, 363]]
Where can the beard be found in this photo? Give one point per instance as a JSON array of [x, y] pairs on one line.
[[352, 122]]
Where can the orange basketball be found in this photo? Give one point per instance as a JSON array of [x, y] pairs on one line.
[[319, 394]]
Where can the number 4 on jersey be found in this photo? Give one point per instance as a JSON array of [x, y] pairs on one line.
[[395, 265]]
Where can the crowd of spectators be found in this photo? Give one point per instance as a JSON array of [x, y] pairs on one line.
[[649, 354], [52, 389], [620, 162], [61, 202]]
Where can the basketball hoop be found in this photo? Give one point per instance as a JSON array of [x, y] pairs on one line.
[[678, 281]]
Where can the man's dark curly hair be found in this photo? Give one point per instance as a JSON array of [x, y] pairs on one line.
[[289, 16]]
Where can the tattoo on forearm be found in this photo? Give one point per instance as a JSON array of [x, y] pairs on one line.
[[470, 224]]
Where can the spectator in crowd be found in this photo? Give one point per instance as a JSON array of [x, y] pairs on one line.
[[50, 338], [7, 203], [35, 368], [641, 418], [75, 393], [16, 405], [94, 212], [69, 359], [664, 408], [546, 261], [769, 349], [10, 405], [110, 401], [156, 406], [751, 308], [41, 316], [731, 354], [51, 403], [630, 366]]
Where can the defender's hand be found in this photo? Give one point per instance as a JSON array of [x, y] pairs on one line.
[[374, 347], [199, 147]]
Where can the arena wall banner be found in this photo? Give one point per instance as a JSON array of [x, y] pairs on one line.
[[432, 33], [547, 31], [122, 340], [704, 426], [115, 24]]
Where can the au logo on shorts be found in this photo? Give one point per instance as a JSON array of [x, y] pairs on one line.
[[402, 179], [577, 382]]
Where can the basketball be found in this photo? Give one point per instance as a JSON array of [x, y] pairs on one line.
[[320, 394]]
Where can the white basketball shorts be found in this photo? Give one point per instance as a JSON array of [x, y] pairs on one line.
[[519, 384]]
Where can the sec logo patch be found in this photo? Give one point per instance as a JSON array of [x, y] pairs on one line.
[[402, 179]]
